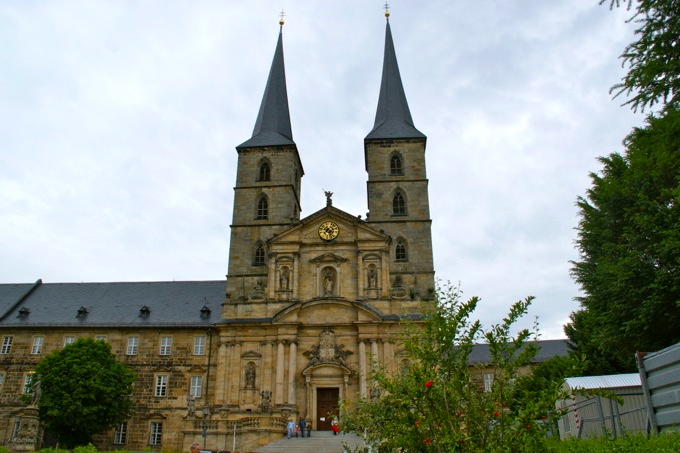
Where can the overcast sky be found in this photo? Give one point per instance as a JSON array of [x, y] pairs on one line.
[[119, 122]]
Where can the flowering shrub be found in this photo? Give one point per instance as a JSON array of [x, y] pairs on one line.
[[434, 406]]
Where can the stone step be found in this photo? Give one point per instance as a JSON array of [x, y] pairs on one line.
[[319, 442]]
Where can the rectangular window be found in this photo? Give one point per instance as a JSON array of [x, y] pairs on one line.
[[199, 345], [2, 377], [68, 339], [488, 381], [196, 389], [120, 434], [161, 385], [6, 345], [100, 338], [28, 382], [133, 343], [156, 433], [166, 343], [37, 345]]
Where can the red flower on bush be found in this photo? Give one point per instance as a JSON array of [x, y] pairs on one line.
[[428, 384], [428, 441], [417, 423], [496, 414], [528, 426]]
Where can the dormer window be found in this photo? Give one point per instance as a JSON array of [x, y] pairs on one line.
[[24, 312], [82, 312], [144, 311], [205, 312]]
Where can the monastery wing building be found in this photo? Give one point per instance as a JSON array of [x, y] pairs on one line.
[[309, 303]]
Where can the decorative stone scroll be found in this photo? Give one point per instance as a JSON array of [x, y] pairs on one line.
[[327, 351]]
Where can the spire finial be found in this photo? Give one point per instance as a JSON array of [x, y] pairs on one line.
[[282, 14], [387, 10]]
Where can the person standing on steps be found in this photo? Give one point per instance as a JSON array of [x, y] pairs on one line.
[[303, 425], [335, 426], [291, 428]]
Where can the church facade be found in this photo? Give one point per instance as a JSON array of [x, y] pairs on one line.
[[309, 305]]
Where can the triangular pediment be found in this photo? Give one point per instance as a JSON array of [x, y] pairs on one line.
[[328, 258], [350, 228]]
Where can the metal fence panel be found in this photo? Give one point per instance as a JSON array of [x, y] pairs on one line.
[[660, 378]]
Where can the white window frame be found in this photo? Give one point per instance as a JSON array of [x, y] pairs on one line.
[[120, 434], [132, 345], [488, 381], [196, 386], [166, 345], [100, 338], [6, 344], [156, 433], [68, 339], [199, 345], [38, 342], [161, 387], [28, 383]]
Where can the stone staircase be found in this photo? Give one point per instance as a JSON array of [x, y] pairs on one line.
[[319, 442]]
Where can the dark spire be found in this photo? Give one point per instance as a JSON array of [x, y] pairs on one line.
[[393, 118], [272, 127]]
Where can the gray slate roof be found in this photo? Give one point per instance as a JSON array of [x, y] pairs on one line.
[[112, 304], [393, 117], [547, 349], [272, 127]]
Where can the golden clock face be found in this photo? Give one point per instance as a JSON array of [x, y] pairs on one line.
[[328, 230]]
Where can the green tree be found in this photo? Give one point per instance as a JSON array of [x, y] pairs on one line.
[[84, 391], [433, 404], [653, 60], [629, 244]]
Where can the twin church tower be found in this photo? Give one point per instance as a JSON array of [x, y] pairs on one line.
[[277, 258]]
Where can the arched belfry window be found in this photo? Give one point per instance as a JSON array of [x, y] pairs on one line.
[[258, 258], [401, 250], [396, 165], [399, 204], [265, 171], [262, 209]]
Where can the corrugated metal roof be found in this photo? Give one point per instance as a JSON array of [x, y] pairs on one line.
[[604, 382]]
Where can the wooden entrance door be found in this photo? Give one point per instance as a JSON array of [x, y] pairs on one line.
[[326, 405]]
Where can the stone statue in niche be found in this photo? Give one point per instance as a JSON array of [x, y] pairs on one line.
[[328, 282], [372, 278], [284, 279], [250, 375]]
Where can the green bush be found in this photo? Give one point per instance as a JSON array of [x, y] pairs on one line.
[[433, 405], [664, 443], [89, 448]]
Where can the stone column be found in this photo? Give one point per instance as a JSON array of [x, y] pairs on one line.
[[375, 357], [388, 358], [235, 374], [278, 394], [292, 373], [267, 365], [362, 368], [221, 377], [296, 276]]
